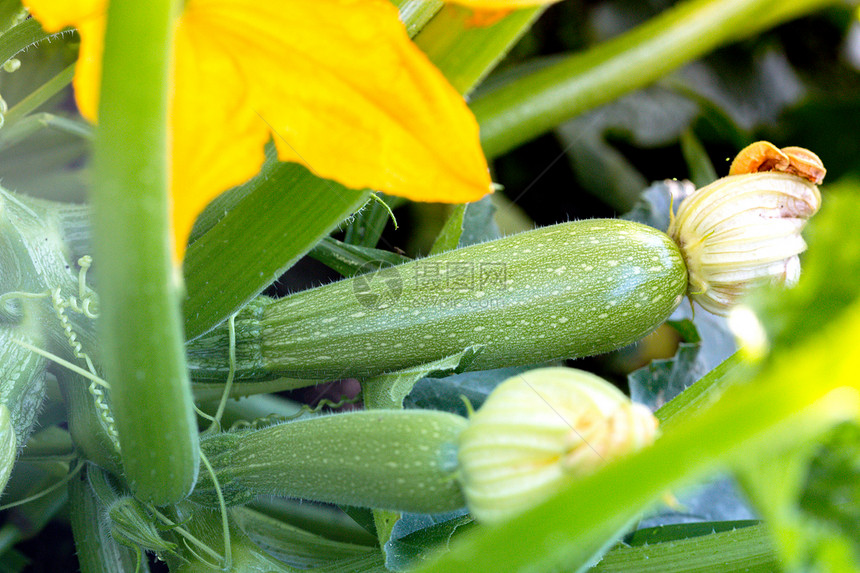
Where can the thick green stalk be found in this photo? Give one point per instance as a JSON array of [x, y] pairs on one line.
[[533, 104], [139, 283]]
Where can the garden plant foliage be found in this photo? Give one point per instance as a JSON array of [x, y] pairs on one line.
[[197, 198]]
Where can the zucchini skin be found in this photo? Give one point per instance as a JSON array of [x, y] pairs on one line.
[[563, 291], [405, 460]]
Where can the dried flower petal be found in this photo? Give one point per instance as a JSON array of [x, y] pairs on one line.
[[765, 156]]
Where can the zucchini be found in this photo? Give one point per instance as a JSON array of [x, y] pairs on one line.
[[562, 291], [403, 460]]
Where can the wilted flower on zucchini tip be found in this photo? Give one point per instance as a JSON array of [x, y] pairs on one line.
[[741, 230], [745, 228], [539, 430]]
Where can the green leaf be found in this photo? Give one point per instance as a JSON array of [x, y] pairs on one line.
[[243, 253], [452, 230], [743, 549], [389, 390], [349, 260], [745, 88], [367, 226], [447, 393], [292, 545], [662, 380], [651, 117], [479, 223], [373, 563], [406, 549]]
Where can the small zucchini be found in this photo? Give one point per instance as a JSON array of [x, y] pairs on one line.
[[563, 291], [403, 460]]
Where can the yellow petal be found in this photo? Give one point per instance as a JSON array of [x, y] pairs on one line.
[[336, 83], [54, 15], [217, 139], [88, 16], [350, 96]]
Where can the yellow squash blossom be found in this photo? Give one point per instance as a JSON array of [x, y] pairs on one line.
[[337, 84]]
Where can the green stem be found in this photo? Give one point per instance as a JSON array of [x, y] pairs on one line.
[[701, 394], [42, 94], [416, 13], [21, 37], [535, 103], [36, 122], [139, 284]]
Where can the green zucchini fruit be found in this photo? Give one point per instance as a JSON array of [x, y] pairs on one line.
[[403, 460], [562, 291]]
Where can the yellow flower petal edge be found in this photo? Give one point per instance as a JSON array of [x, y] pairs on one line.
[[337, 84]]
